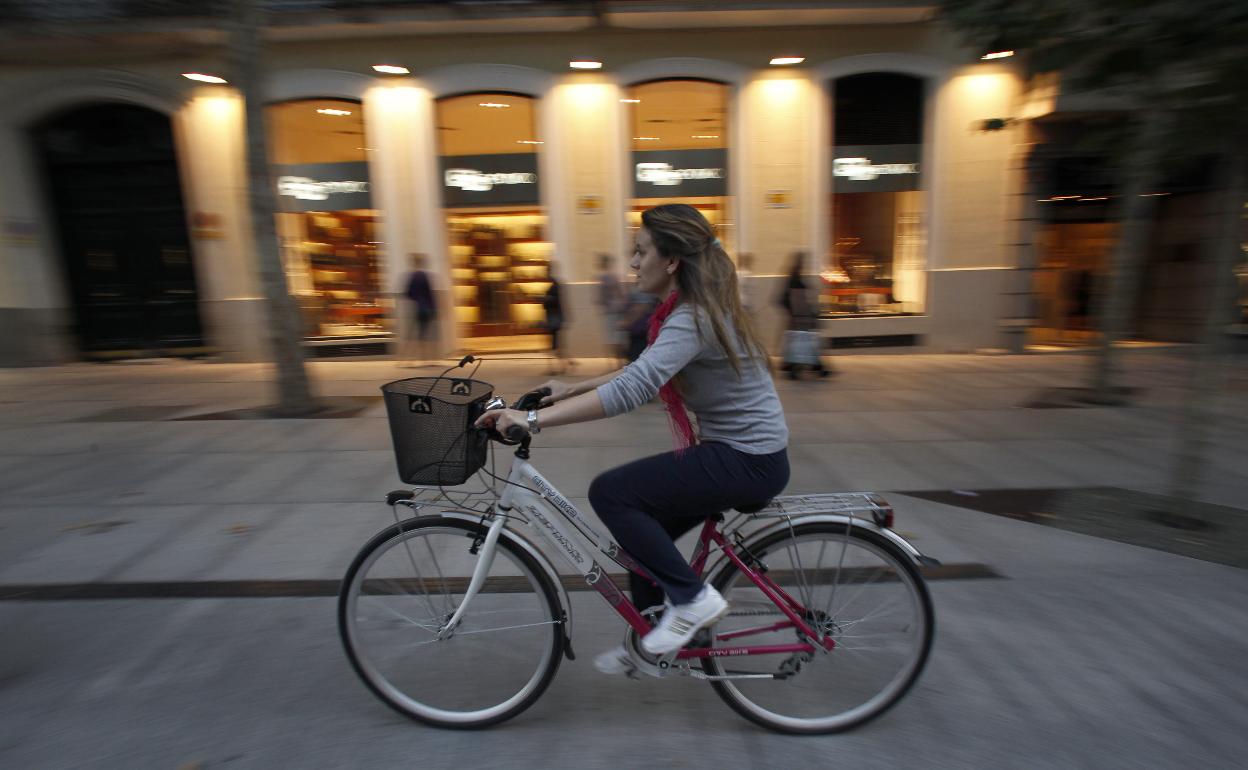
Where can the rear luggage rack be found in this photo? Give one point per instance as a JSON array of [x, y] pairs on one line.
[[854, 503]]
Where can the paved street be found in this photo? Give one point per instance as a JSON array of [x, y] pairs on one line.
[[1084, 652]]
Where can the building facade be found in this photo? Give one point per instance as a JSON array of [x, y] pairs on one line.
[[126, 228]]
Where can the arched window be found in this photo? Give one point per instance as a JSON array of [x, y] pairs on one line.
[[500, 254], [878, 256], [679, 134], [326, 218]]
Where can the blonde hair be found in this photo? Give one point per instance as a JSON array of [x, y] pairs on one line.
[[706, 277]]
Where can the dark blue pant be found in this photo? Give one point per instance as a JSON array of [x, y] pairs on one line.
[[649, 503]]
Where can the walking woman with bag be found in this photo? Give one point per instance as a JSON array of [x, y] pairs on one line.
[[801, 336]]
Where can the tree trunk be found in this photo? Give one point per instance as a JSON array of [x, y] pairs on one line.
[[1205, 377], [294, 396], [1115, 305]]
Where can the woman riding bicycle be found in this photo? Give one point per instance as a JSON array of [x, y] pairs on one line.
[[703, 356]]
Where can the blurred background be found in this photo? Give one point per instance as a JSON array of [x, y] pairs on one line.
[[1019, 227]]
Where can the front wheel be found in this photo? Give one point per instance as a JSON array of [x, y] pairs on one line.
[[399, 593], [854, 587]]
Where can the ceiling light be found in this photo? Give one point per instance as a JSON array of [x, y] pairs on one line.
[[997, 55], [645, 138], [630, 101], [585, 64], [331, 111], [528, 141], [780, 61], [391, 69], [203, 78], [496, 105], [705, 136]]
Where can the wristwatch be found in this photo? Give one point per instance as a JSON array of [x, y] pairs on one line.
[[531, 419]]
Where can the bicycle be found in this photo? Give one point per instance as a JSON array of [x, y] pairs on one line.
[[455, 618]]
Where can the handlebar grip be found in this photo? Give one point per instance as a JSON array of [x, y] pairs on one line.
[[532, 399], [515, 433]]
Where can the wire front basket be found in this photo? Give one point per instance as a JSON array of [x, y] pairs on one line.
[[430, 421]]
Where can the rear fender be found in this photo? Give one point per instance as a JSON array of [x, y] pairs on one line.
[[771, 525]]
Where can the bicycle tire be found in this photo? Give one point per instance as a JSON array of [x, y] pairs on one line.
[[465, 699], [746, 696]]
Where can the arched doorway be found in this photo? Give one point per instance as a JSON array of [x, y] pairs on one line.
[[116, 200], [680, 144]]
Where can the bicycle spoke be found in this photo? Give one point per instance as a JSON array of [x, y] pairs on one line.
[[446, 591]]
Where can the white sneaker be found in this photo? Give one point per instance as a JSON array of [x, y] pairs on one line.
[[614, 661], [682, 621]]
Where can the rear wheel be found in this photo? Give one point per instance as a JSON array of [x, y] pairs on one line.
[[856, 588], [399, 593]]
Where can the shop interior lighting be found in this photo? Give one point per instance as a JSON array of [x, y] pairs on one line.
[[996, 55], [705, 136], [391, 69], [528, 141], [585, 64], [495, 105], [332, 111], [781, 61], [645, 138], [630, 101], [203, 78]]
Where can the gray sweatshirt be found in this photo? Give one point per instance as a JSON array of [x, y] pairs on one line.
[[741, 411]]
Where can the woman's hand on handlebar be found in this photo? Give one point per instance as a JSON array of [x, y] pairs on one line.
[[502, 421], [558, 391]]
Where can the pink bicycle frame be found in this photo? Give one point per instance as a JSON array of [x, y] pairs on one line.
[[791, 608]]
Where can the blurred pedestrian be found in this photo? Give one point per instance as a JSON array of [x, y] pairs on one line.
[[801, 336], [552, 303], [636, 322], [611, 303], [745, 281], [422, 331]]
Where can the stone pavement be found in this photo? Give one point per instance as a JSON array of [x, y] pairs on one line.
[[1085, 653]]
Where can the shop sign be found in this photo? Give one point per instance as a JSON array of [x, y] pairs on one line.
[[206, 226], [490, 180], [779, 199], [876, 168], [323, 186], [680, 173]]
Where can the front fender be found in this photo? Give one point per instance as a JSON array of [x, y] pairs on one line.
[[526, 545]]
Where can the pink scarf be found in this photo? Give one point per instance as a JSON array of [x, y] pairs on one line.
[[677, 416]]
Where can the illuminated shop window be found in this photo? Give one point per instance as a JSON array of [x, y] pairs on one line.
[[878, 258], [326, 221], [500, 254], [679, 133]]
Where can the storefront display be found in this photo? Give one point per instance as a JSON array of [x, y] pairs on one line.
[[499, 253], [326, 225], [680, 150], [878, 257]]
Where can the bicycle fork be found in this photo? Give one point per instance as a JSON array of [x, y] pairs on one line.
[[485, 560]]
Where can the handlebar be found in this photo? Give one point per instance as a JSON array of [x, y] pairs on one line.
[[531, 400]]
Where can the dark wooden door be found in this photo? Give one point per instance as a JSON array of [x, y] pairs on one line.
[[112, 179]]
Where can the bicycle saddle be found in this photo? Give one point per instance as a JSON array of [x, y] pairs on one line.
[[752, 507]]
